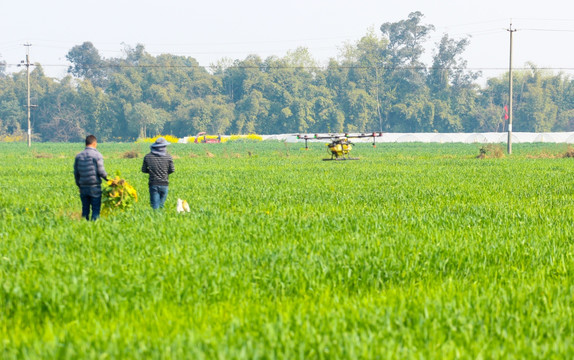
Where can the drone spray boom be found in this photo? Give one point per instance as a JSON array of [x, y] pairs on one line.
[[340, 146]]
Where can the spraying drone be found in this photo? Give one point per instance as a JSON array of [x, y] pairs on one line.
[[340, 145]]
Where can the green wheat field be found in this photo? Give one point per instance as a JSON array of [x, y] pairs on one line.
[[415, 251]]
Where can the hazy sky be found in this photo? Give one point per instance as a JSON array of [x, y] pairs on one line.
[[212, 30]]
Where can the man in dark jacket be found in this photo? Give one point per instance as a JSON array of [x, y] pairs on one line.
[[158, 164], [89, 172]]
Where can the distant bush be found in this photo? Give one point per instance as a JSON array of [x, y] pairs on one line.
[[130, 154], [491, 151], [569, 152]]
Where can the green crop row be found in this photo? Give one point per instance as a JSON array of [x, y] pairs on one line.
[[414, 251]]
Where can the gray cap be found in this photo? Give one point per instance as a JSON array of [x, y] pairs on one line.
[[160, 142]]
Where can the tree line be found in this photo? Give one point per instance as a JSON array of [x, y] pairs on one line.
[[379, 83]]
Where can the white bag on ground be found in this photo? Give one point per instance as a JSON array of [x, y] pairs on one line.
[[182, 206]]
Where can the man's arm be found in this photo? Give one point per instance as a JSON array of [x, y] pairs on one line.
[[100, 168], [171, 168], [145, 166], [76, 172]]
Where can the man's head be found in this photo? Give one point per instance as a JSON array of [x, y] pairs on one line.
[[91, 141]]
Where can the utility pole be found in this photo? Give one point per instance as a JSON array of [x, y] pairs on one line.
[[510, 30], [27, 65]]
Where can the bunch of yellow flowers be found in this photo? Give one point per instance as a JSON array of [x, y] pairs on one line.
[[170, 138], [118, 194], [254, 137]]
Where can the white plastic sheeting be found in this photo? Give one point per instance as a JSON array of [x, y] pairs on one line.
[[467, 138]]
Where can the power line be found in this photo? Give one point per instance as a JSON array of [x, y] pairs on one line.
[[541, 19], [325, 67], [476, 33], [550, 30]]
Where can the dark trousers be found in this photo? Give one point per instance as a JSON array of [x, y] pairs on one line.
[[157, 196], [91, 197]]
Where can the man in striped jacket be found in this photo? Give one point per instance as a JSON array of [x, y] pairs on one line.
[[158, 164], [89, 171]]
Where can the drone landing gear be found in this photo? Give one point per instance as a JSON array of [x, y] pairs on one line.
[[341, 159]]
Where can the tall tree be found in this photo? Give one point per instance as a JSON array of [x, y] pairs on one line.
[[405, 48], [367, 73], [11, 114], [86, 62], [406, 39], [448, 67], [97, 107], [251, 110], [144, 120]]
